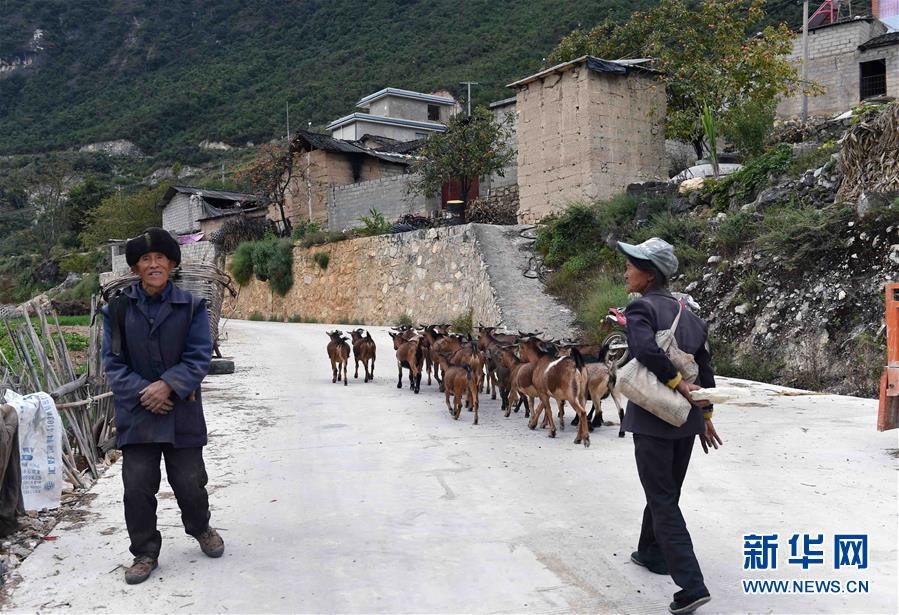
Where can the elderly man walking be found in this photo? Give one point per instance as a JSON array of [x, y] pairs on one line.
[[156, 352]]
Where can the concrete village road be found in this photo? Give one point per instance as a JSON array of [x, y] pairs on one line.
[[370, 499]]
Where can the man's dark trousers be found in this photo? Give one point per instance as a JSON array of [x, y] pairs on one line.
[[141, 474], [662, 465]]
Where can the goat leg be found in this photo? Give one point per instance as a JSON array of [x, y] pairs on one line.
[[399, 384]]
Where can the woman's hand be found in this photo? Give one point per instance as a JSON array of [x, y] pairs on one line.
[[686, 389], [710, 436]]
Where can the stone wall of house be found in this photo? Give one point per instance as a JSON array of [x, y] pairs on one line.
[[584, 135], [431, 275], [389, 195], [833, 63], [180, 215]]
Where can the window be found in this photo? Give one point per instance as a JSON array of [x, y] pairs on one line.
[[420, 135], [434, 113], [873, 79]]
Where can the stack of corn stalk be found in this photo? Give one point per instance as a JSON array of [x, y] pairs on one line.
[[41, 361], [870, 156]]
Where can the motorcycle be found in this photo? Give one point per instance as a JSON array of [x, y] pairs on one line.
[[615, 323]]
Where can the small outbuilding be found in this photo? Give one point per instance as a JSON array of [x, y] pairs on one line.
[[586, 129]]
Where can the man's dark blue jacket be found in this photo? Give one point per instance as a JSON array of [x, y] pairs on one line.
[[655, 311], [165, 337]]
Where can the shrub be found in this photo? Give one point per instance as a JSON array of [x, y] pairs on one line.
[[263, 252], [280, 267], [749, 286], [373, 224], [256, 316], [464, 323], [294, 318], [812, 159], [404, 321], [305, 228], [322, 259], [749, 126], [80, 262], [605, 291], [242, 263], [734, 232], [801, 235], [755, 172]]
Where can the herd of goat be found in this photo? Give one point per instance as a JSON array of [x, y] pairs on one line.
[[522, 368]]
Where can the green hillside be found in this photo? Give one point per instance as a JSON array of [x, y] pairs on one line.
[[167, 75]]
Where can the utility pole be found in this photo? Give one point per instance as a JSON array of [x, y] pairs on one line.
[[804, 76], [468, 100]]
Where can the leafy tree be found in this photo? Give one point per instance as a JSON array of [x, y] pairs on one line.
[[710, 53], [82, 200], [120, 217], [471, 147]]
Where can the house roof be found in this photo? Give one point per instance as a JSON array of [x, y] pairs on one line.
[[502, 103], [386, 144], [220, 195], [387, 121], [308, 141], [884, 40], [430, 98], [622, 67]]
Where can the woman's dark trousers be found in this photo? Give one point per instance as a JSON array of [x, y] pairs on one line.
[[662, 465], [141, 474]]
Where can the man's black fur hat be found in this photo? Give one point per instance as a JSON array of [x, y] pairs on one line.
[[154, 239]]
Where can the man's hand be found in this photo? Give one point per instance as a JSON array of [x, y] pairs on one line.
[[155, 397], [710, 436], [686, 389]]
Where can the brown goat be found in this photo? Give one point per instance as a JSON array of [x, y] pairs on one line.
[[408, 355], [459, 381], [364, 350], [600, 375], [442, 342], [339, 353], [560, 378]]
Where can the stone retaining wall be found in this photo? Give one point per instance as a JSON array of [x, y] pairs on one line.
[[432, 275]]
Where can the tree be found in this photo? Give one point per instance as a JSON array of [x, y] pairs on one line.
[[121, 217], [82, 200], [270, 173], [471, 147], [708, 55]]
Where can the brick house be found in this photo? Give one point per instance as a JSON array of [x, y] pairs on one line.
[[586, 129], [339, 181], [853, 60]]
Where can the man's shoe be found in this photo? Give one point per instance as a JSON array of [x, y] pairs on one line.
[[140, 570], [656, 567], [682, 606], [211, 543]]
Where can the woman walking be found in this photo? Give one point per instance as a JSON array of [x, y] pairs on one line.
[[662, 450]]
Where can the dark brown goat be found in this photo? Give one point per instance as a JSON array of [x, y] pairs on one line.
[[459, 381], [408, 355], [364, 350], [339, 353]]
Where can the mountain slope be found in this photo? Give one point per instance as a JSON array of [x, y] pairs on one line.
[[167, 75]]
